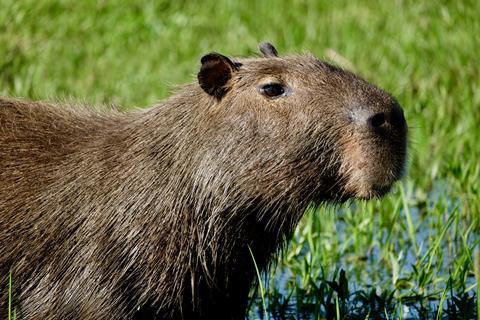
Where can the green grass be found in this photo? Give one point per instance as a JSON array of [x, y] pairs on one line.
[[420, 240], [11, 312]]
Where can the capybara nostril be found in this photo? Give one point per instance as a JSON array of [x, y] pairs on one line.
[[397, 119], [377, 120], [393, 119]]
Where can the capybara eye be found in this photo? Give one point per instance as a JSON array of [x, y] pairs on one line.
[[272, 90]]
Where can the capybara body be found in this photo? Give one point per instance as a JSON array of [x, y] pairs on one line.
[[154, 214]]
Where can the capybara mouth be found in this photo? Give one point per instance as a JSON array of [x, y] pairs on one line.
[[373, 180], [377, 192], [380, 191], [366, 193]]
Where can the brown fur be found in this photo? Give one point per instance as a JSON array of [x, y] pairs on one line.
[[151, 214]]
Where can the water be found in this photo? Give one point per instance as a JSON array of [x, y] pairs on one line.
[[422, 281]]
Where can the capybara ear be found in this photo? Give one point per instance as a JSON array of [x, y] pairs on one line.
[[214, 74], [268, 50]]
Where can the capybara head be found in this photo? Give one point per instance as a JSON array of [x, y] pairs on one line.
[[297, 127]]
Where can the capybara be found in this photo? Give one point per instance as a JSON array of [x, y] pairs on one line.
[[156, 213]]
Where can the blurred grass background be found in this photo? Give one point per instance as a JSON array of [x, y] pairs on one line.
[[426, 53]]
